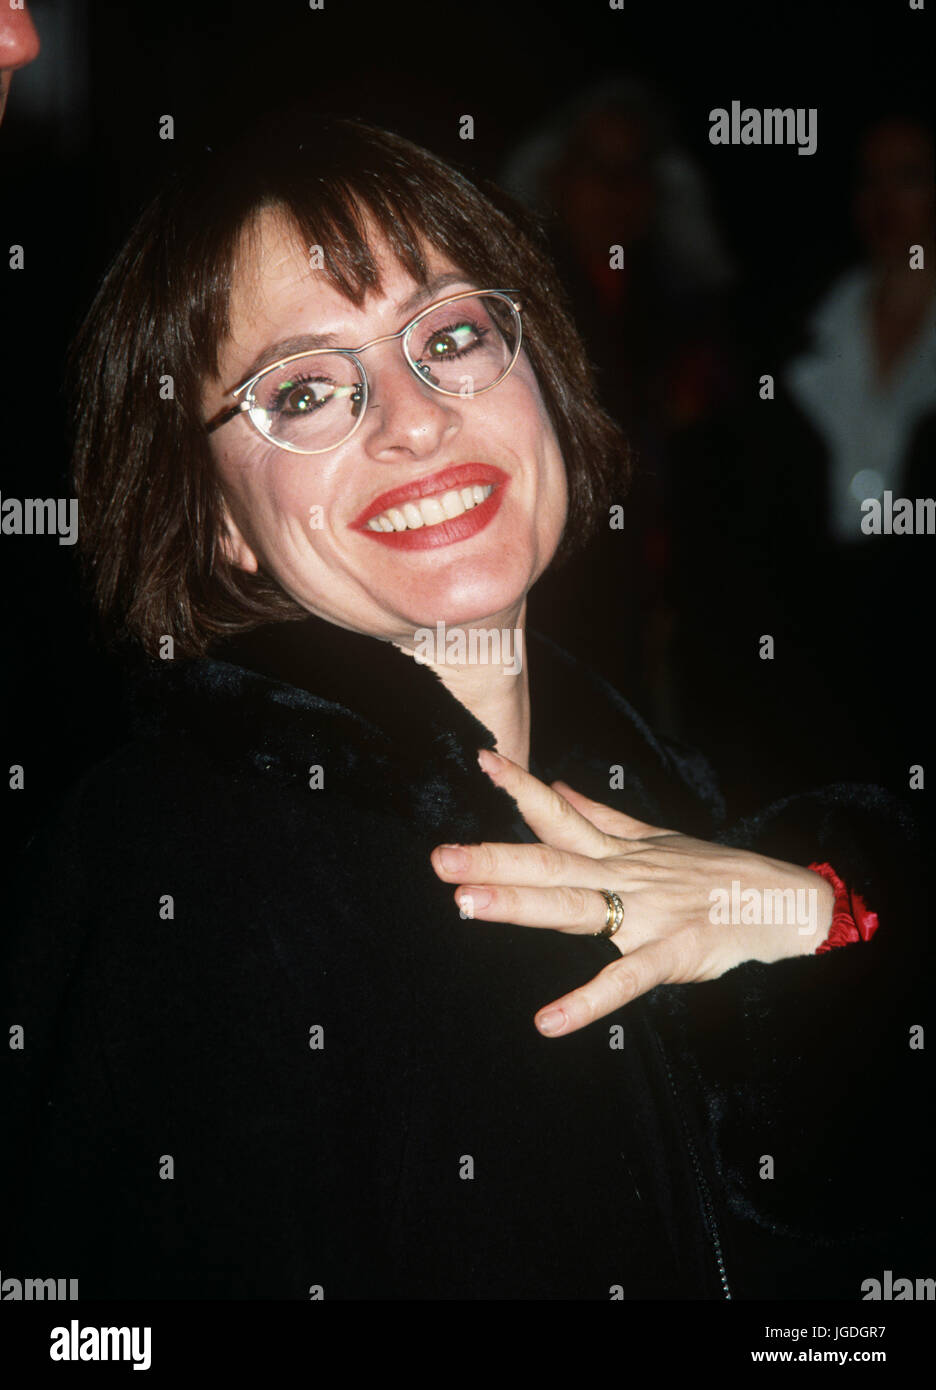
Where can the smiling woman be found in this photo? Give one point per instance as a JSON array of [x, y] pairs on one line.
[[222, 270], [278, 958], [444, 401]]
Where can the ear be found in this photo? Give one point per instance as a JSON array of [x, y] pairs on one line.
[[234, 546]]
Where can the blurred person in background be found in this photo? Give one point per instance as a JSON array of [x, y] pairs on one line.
[[867, 380], [784, 485], [633, 233]]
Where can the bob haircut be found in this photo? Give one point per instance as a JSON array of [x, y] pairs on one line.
[[148, 491]]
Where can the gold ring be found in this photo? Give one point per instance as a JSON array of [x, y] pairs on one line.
[[614, 915]]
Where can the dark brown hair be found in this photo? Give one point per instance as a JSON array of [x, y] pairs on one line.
[[150, 502]]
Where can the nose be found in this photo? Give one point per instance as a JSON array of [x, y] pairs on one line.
[[19, 42], [405, 417]]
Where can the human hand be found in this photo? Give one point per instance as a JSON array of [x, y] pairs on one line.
[[678, 894]]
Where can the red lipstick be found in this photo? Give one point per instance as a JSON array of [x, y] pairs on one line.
[[458, 528]]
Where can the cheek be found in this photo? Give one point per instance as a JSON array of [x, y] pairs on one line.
[[272, 495], [554, 505], [530, 422], [525, 410], [552, 473]]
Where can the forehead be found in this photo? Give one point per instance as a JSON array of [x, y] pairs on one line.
[[278, 287]]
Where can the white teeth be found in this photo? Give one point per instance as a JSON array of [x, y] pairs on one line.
[[429, 511]]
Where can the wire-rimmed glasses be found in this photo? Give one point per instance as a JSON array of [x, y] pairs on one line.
[[311, 402]]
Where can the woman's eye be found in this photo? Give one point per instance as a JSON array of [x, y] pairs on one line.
[[302, 397], [453, 341]]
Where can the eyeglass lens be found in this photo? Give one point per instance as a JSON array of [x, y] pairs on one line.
[[314, 402]]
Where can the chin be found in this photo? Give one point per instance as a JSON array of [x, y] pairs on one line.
[[497, 610], [472, 596]]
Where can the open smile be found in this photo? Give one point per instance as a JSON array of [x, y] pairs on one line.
[[440, 509]]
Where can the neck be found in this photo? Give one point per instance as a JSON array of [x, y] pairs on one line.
[[483, 666]]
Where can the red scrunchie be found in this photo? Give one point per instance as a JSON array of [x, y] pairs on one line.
[[851, 920]]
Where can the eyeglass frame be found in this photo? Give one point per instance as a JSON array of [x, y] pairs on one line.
[[249, 401]]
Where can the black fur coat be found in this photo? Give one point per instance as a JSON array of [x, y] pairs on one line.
[[263, 1056]]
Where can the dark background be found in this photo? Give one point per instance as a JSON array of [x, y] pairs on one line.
[[80, 152]]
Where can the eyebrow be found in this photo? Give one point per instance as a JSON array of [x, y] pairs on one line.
[[308, 342]]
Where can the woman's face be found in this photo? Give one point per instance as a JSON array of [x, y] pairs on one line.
[[302, 518]]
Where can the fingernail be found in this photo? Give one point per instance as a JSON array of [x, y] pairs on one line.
[[551, 1022], [471, 898], [453, 859], [490, 761]]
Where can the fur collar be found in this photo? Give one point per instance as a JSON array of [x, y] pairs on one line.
[[290, 695]]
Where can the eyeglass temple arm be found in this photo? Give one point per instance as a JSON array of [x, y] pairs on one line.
[[225, 415]]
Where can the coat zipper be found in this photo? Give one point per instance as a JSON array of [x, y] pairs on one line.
[[702, 1186]]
